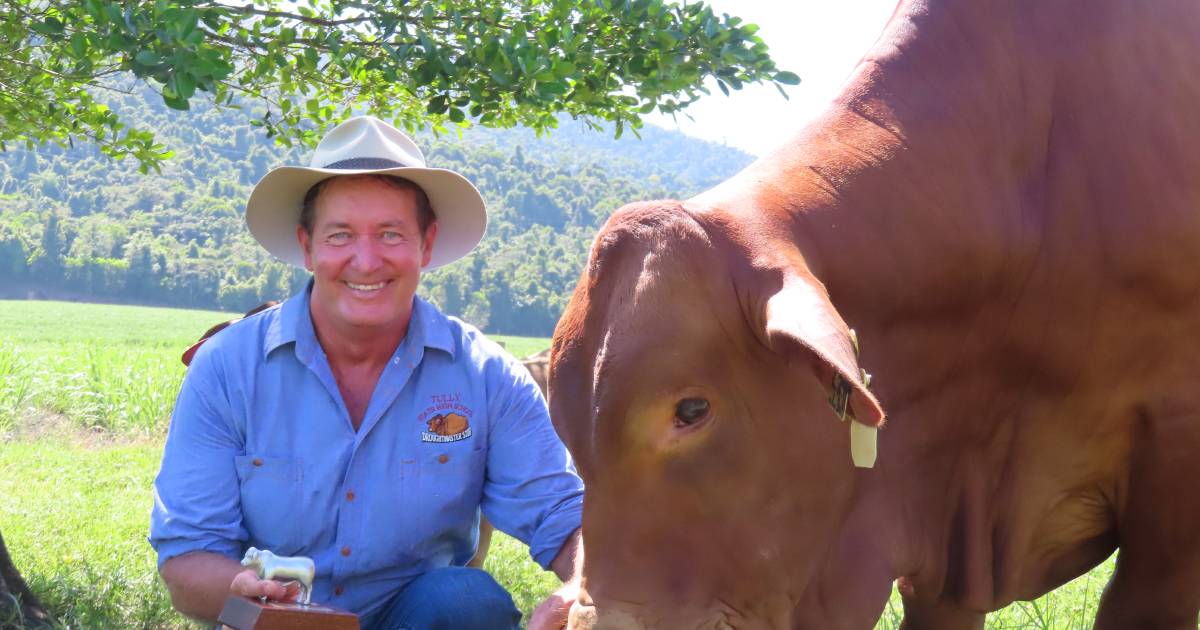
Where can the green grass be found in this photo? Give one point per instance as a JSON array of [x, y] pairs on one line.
[[85, 395], [75, 521], [102, 366], [108, 367], [522, 347], [1070, 607]]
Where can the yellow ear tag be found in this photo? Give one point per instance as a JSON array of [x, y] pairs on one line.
[[862, 444]]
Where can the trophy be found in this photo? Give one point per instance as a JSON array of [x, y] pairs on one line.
[[246, 613]]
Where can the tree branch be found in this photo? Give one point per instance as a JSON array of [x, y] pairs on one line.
[[77, 79], [251, 10]]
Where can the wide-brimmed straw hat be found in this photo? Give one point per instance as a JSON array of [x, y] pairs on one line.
[[358, 146]]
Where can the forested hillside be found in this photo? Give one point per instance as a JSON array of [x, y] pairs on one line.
[[75, 224]]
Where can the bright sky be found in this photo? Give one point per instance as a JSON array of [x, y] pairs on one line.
[[820, 40]]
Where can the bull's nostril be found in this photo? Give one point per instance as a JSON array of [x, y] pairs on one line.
[[689, 411]]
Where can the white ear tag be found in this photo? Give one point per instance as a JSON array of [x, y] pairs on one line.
[[862, 444]]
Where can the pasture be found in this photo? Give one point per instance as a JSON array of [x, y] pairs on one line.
[[85, 395]]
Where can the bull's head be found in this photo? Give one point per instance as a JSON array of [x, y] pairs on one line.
[[691, 379], [253, 558]]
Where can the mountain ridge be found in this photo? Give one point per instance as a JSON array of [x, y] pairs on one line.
[[72, 222]]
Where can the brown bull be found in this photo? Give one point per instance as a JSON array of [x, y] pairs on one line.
[[1004, 203], [447, 424]]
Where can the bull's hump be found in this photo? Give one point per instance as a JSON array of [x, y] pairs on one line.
[[641, 226], [639, 236]]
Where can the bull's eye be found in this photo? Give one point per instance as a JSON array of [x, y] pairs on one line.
[[689, 411]]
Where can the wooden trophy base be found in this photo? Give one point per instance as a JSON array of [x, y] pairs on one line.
[[243, 613]]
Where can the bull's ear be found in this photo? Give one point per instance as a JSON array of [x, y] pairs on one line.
[[800, 315]]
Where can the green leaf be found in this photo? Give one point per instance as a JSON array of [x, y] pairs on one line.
[[787, 78], [563, 69], [501, 78], [516, 62], [176, 103], [78, 43], [183, 85], [552, 89], [50, 26], [147, 58], [95, 8]]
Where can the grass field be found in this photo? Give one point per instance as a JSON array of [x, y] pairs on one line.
[[110, 368], [85, 394]]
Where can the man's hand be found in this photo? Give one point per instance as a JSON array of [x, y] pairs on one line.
[[246, 583], [552, 613]]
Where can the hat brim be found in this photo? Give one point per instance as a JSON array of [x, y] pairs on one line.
[[273, 210]]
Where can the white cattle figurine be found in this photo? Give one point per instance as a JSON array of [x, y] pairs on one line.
[[272, 567]]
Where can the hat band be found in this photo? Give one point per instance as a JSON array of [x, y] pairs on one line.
[[364, 163]]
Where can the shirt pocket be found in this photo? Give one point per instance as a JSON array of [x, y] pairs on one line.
[[272, 493], [447, 491], [453, 471]]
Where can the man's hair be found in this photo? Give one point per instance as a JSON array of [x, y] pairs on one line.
[[425, 216]]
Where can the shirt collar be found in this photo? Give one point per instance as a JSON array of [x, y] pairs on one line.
[[428, 326], [283, 327], [431, 327]]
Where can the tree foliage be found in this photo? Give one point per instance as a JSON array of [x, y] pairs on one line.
[[309, 64], [74, 225]]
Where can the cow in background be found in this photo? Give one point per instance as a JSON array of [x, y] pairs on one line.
[[1004, 204], [191, 351], [538, 365]]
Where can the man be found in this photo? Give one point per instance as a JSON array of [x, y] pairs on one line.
[[355, 423]]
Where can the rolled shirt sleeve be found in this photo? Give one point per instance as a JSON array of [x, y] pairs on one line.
[[532, 490], [197, 504]]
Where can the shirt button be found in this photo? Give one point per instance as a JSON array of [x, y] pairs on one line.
[[257, 462], [338, 591], [345, 551], [442, 459], [349, 495], [396, 361]]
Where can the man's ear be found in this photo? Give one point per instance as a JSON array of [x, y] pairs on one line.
[[305, 240], [427, 241], [800, 318]]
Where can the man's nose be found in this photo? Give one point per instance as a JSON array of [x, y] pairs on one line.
[[366, 255]]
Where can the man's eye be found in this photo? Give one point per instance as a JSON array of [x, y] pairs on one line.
[[392, 237], [338, 238]]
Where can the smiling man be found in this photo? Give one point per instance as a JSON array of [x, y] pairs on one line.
[[355, 423]]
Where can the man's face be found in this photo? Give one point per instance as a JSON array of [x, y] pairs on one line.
[[366, 253]]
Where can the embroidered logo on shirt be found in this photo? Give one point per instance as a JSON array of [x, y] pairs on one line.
[[448, 420]]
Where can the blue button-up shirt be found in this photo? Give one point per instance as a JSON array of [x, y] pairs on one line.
[[261, 453]]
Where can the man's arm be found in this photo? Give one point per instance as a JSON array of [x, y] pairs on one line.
[[195, 524], [569, 561], [200, 581], [552, 614], [531, 491]]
